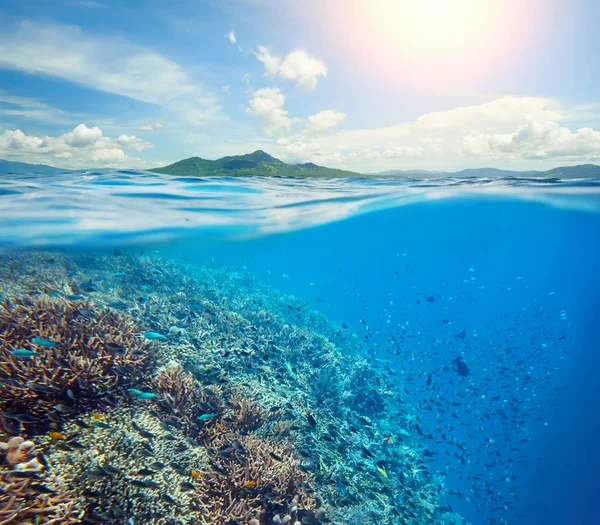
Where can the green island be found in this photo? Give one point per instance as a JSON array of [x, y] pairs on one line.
[[259, 164]]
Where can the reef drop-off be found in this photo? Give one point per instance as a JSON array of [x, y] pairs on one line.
[[245, 406]]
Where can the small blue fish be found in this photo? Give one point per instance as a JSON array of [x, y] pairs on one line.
[[206, 417], [74, 297], [44, 342], [153, 336], [144, 396], [119, 274], [23, 353]]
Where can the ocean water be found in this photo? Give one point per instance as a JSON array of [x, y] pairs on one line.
[[381, 351]]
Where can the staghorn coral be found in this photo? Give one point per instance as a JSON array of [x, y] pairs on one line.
[[30, 490], [245, 414], [89, 352], [251, 477], [183, 398]]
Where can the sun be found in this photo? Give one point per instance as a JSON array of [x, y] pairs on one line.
[[420, 43]]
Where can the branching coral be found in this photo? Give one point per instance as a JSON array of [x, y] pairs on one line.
[[254, 478], [183, 398], [245, 414], [82, 355]]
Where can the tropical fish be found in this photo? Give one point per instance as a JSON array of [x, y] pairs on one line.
[[101, 424], [290, 370], [63, 409], [195, 474], [44, 342], [250, 484], [153, 336], [186, 485], [56, 435], [206, 417], [382, 471], [23, 353], [275, 456], [461, 367], [141, 395]]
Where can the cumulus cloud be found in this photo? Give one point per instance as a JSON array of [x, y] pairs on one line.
[[508, 132], [535, 140], [325, 120], [111, 65], [82, 136], [270, 61], [134, 143], [298, 66], [151, 127], [267, 105], [226, 88], [231, 36], [83, 147]]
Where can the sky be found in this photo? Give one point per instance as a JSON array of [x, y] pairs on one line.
[[364, 85]]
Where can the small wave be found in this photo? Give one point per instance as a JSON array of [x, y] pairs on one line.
[[85, 206]]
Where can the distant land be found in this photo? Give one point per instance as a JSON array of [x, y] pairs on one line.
[[262, 164], [258, 164], [583, 171], [20, 168]]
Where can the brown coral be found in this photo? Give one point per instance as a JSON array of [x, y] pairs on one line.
[[251, 477], [85, 350], [245, 414], [182, 397]]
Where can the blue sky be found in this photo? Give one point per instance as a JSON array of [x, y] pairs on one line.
[[363, 85]]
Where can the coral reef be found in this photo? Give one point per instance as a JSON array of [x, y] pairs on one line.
[[30, 491], [257, 409], [82, 354]]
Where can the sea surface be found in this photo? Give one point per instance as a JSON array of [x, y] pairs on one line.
[[473, 304]]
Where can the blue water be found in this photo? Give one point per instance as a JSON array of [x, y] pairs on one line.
[[503, 273]]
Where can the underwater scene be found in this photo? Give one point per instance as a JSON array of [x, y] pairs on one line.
[[258, 351]]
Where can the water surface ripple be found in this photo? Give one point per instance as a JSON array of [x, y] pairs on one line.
[[136, 206]]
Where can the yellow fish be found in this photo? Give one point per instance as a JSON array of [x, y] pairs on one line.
[[56, 435], [382, 472], [195, 474], [96, 416], [250, 484]]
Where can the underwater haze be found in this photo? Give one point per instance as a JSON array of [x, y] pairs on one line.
[[258, 351]]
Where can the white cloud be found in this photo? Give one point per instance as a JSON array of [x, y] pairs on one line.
[[151, 127], [536, 140], [231, 36], [112, 65], [31, 109], [507, 132], [270, 61], [305, 69], [82, 136], [325, 120], [134, 143], [298, 66], [267, 105], [84, 147], [226, 88]]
